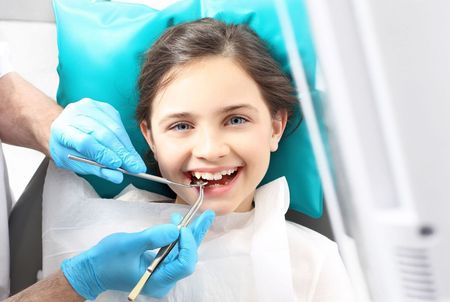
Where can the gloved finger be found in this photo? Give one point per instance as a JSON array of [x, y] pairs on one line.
[[112, 113], [70, 141], [111, 175], [176, 218], [187, 250], [86, 169], [85, 144], [107, 130], [154, 237], [201, 225], [104, 129], [146, 259], [131, 159], [65, 133], [183, 265]]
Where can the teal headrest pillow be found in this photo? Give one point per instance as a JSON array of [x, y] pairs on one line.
[[101, 46]]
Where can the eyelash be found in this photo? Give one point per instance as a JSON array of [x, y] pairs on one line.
[[238, 117], [174, 127], [178, 124]]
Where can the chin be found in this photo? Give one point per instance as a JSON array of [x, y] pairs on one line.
[[219, 209]]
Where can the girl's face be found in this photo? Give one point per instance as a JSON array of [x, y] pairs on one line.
[[211, 123]]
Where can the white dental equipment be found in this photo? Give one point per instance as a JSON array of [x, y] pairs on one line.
[[386, 111]]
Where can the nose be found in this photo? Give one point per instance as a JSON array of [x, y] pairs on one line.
[[210, 145]]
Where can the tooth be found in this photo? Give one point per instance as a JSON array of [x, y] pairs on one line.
[[215, 186], [213, 176], [206, 176]]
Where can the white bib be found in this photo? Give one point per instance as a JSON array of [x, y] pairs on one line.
[[245, 257]]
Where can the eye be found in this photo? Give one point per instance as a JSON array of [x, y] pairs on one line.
[[236, 120], [181, 127]]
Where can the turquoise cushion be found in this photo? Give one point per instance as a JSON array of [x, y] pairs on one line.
[[101, 46]]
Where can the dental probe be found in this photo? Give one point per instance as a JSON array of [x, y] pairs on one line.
[[164, 251], [140, 175]]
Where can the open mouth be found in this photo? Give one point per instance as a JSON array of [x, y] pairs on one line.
[[215, 180]]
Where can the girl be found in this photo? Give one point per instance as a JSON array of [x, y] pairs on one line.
[[213, 106]]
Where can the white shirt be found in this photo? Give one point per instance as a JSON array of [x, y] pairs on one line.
[[5, 207], [245, 257], [5, 194]]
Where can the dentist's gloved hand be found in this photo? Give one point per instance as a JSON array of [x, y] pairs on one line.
[[95, 131], [199, 227], [118, 261]]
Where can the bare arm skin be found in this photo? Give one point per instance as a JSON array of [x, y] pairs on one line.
[[26, 114], [55, 288]]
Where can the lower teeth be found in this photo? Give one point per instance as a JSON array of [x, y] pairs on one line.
[[214, 186]]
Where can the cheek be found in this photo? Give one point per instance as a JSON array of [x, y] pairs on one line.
[[169, 154], [255, 151], [258, 164]]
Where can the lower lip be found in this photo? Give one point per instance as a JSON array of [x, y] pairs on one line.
[[220, 190]]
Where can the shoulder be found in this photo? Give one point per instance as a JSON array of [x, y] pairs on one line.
[[301, 237], [317, 265], [309, 250]]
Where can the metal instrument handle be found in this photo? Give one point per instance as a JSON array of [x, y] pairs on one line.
[[140, 175]]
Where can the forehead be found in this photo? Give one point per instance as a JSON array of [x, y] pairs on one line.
[[205, 85]]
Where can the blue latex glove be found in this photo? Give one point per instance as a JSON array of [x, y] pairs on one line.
[[95, 131], [198, 227], [118, 261]]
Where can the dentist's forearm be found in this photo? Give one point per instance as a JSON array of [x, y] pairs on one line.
[[26, 114], [52, 289]]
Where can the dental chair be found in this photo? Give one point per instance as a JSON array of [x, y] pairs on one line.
[[25, 231]]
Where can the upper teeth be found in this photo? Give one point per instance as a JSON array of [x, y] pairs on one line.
[[213, 176]]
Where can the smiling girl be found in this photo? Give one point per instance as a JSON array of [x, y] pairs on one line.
[[213, 106]]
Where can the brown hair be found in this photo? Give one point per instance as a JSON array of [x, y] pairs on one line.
[[184, 43]]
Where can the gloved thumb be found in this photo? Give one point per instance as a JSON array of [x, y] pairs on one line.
[[200, 226], [156, 237]]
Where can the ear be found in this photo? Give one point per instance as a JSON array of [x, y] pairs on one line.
[[279, 122], [147, 133]]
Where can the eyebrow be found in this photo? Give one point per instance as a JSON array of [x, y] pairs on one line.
[[235, 107], [227, 109]]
